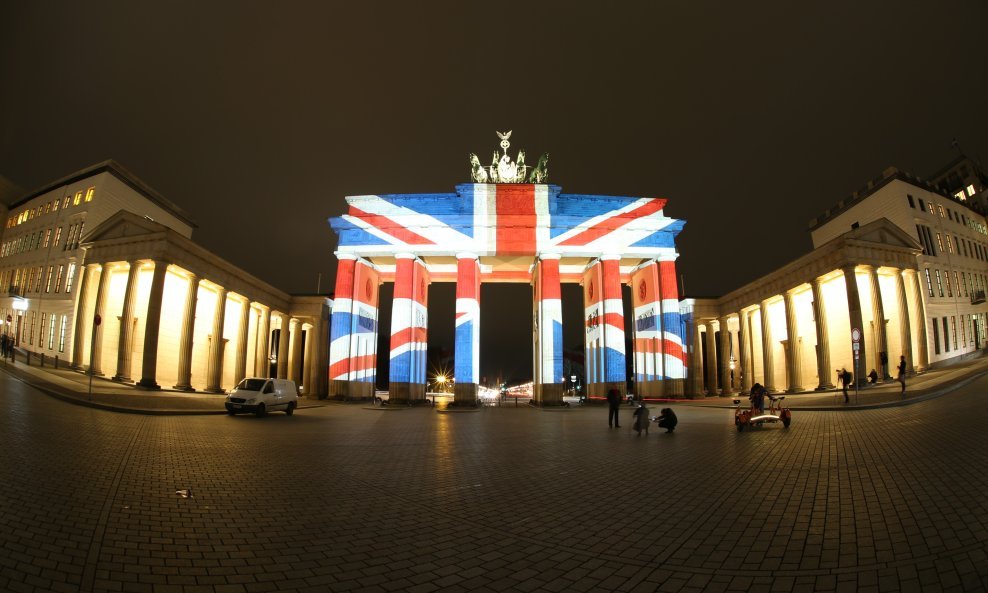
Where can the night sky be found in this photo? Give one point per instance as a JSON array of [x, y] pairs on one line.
[[258, 118]]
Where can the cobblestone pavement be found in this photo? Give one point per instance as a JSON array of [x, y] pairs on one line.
[[343, 498]]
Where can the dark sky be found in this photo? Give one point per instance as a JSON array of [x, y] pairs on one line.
[[258, 118]]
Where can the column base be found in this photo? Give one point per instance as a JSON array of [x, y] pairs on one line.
[[651, 388], [148, 384], [121, 379], [464, 394], [183, 388], [601, 389], [825, 387], [350, 390], [214, 390], [407, 393], [548, 394]]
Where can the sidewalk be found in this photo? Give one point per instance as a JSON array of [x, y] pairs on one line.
[[73, 386], [921, 387]]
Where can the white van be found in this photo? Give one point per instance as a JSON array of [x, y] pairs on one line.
[[261, 396]]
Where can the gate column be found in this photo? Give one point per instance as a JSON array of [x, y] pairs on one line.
[[674, 357], [548, 388], [409, 330], [353, 329], [466, 369]]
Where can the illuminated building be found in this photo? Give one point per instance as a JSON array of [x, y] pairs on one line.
[[101, 243], [901, 250]]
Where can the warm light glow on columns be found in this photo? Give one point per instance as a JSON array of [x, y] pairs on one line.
[[262, 344], [711, 358], [724, 358], [854, 315], [822, 336], [240, 370], [409, 329], [216, 344], [308, 360], [188, 329], [744, 350], [78, 335], [695, 375], [905, 330], [125, 346], [97, 340], [922, 352], [793, 361], [283, 346], [152, 327], [294, 369], [768, 363], [878, 321], [466, 356], [548, 389]]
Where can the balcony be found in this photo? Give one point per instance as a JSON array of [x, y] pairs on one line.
[[977, 297]]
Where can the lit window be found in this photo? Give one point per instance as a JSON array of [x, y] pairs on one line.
[[957, 283], [963, 331], [68, 278], [61, 270], [89, 194], [51, 274], [939, 209], [51, 332], [930, 208], [65, 203], [964, 282], [970, 190], [78, 236], [30, 335], [61, 334], [929, 282], [58, 235], [47, 207], [78, 198], [30, 280], [953, 329], [939, 283], [950, 246], [41, 335], [960, 195], [946, 277], [940, 241], [47, 238], [54, 205]]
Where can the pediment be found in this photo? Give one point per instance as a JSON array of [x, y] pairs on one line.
[[884, 232], [122, 225]]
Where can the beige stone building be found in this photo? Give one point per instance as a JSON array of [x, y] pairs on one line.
[[102, 244], [901, 261]]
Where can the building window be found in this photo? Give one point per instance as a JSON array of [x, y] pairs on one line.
[[939, 209], [946, 335], [65, 203], [51, 332], [957, 245], [970, 190], [89, 194], [78, 235], [939, 284], [929, 206], [957, 283], [47, 238], [41, 335], [78, 198], [964, 282], [939, 241], [68, 279], [953, 329], [946, 278], [41, 277], [963, 332], [51, 274], [61, 334], [30, 335], [58, 235], [936, 337], [950, 245], [929, 283], [912, 204], [61, 270]]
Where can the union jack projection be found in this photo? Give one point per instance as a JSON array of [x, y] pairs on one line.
[[513, 232]]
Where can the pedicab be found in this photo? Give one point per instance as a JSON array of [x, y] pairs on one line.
[[777, 412]]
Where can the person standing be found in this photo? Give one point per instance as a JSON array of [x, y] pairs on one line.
[[845, 380], [613, 405], [641, 419], [902, 372]]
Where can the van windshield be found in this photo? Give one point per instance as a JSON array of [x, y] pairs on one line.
[[251, 384]]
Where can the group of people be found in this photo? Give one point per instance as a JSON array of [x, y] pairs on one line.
[[666, 419], [844, 377]]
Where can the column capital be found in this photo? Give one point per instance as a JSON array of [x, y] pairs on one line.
[[550, 256], [466, 255], [344, 255], [609, 256]]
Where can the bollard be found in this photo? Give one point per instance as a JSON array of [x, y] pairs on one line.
[[42, 360], [56, 362], [27, 357]]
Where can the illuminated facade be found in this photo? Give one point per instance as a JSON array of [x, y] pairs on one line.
[[101, 243], [506, 232], [899, 251]]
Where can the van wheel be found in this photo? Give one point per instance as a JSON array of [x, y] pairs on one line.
[[290, 409], [261, 411]]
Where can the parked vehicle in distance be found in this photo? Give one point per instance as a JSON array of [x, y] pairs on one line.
[[261, 396]]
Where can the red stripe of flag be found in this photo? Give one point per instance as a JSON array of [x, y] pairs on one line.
[[386, 225], [515, 208]]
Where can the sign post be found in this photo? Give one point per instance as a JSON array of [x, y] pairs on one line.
[[856, 346], [92, 353]]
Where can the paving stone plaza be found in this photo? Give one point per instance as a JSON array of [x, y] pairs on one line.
[[346, 498]]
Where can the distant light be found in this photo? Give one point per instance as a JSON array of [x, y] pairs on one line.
[[19, 304]]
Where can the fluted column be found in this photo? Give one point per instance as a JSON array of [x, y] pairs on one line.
[[188, 332], [711, 359], [823, 369], [793, 367], [695, 376], [125, 345], [96, 356], [922, 352], [283, 346], [466, 336], [240, 370], [724, 358], [878, 317], [854, 316], [81, 316], [768, 364], [217, 344], [744, 349], [905, 330], [262, 358], [295, 370], [308, 366], [152, 325]]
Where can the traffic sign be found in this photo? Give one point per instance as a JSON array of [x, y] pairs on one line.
[[856, 346], [856, 335]]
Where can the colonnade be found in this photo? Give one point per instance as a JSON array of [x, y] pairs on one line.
[[799, 337]]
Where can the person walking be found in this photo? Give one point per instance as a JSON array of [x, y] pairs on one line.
[[613, 405], [845, 378], [902, 373]]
